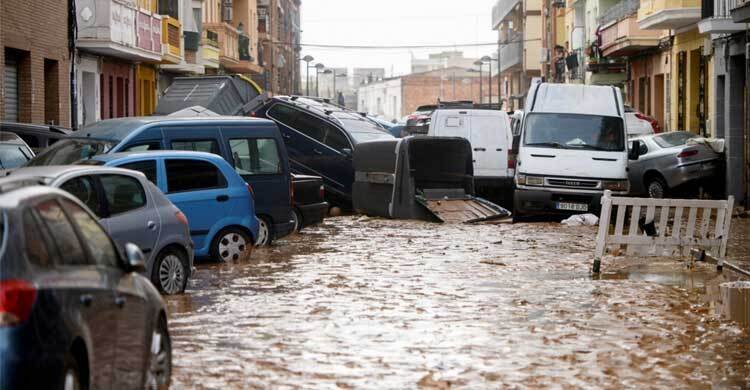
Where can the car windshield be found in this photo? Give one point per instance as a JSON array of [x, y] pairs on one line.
[[363, 130], [574, 131], [69, 151], [13, 155], [677, 138]]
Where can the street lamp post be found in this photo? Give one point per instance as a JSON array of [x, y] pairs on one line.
[[308, 59], [480, 63], [318, 70], [488, 60]]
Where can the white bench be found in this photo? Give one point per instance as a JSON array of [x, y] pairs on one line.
[[675, 222]]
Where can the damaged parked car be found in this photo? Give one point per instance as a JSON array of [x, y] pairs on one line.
[[321, 138], [674, 163]]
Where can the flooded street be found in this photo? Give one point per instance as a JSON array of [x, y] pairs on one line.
[[360, 302]]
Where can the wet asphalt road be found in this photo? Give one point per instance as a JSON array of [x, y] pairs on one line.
[[373, 303]]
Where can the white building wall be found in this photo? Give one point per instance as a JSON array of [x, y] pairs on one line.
[[381, 99]]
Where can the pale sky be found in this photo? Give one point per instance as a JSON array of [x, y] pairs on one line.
[[393, 22]]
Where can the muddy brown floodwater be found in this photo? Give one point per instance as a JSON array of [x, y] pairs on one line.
[[374, 303]]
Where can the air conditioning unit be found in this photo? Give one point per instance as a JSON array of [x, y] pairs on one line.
[[558, 3], [226, 11]]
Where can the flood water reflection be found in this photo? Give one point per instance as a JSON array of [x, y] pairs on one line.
[[360, 302]]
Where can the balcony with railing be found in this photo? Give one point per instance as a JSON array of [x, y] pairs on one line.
[[171, 38], [619, 11], [668, 14], [148, 32], [624, 38], [228, 39], [247, 62], [209, 49], [717, 18], [110, 28], [741, 12], [501, 10], [511, 55]]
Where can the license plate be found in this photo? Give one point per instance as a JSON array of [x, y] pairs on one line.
[[572, 206]]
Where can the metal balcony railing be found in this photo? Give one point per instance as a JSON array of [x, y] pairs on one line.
[[619, 11], [718, 8], [510, 54]]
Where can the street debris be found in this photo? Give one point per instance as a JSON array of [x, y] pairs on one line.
[[581, 220], [425, 178]]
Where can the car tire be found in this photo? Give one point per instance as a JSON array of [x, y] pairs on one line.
[[297, 218], [159, 374], [656, 188], [264, 232], [231, 244], [170, 272], [72, 374]]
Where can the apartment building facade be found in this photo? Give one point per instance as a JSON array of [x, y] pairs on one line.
[[519, 27], [35, 62]]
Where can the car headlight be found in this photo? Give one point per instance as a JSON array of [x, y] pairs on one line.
[[529, 180], [616, 185], [534, 181]]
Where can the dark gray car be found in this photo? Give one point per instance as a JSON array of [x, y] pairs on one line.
[[131, 209], [670, 161]]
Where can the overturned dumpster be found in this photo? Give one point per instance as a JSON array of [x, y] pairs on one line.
[[224, 95], [420, 177]]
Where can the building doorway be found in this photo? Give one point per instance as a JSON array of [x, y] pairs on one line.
[[658, 112], [89, 93]]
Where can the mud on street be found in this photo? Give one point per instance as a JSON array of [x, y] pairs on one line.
[[360, 302]]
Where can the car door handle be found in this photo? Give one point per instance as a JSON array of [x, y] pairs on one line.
[[286, 136], [222, 198], [86, 300], [151, 225], [499, 149], [318, 152], [120, 302], [480, 149]]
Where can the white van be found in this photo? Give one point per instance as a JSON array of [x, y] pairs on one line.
[[573, 147], [491, 138]]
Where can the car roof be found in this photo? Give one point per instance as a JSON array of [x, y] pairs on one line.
[[53, 171], [15, 126], [118, 129], [13, 192], [471, 111], [108, 157], [576, 99]]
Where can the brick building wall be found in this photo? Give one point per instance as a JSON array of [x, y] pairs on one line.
[[34, 31], [418, 90]]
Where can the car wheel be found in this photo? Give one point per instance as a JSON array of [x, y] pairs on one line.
[[159, 373], [170, 272], [297, 218], [657, 188], [264, 232], [72, 374], [231, 244]]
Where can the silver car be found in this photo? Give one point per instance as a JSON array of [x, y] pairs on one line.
[[133, 210], [667, 162]]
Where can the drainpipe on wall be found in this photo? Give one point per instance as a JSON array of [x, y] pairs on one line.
[[747, 119], [72, 37]]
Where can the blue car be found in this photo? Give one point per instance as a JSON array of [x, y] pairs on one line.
[[254, 147], [217, 202]]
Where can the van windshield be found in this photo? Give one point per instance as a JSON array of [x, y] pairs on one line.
[[574, 131], [68, 151]]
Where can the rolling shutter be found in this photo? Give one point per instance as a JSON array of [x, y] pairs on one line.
[[11, 90]]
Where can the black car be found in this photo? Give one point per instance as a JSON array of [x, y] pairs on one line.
[[38, 137], [320, 138], [310, 207], [74, 311]]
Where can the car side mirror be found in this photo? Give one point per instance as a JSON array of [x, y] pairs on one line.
[[635, 150], [135, 259], [347, 152]]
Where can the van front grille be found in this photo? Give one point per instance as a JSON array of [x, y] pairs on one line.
[[573, 183]]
